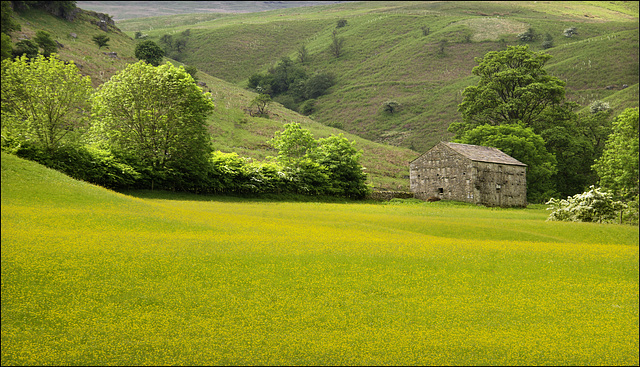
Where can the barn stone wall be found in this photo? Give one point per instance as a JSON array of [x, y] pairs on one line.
[[444, 173]]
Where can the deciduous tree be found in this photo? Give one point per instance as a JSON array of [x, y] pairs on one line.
[[150, 52], [157, 115], [43, 100]]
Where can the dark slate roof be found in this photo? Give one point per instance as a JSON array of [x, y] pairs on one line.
[[484, 154]]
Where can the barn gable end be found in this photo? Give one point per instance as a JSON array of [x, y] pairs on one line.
[[470, 173]]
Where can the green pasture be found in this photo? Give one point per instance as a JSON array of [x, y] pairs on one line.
[[94, 277]]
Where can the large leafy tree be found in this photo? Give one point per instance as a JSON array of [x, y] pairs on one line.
[[156, 115], [513, 88], [524, 145], [44, 100], [618, 166]]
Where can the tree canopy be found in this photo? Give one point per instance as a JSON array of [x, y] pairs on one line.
[[513, 87], [155, 114], [150, 52], [43, 99], [524, 145], [618, 165]]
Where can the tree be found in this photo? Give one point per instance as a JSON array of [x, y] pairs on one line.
[[7, 24], [528, 36], [303, 55], [261, 102], [101, 40], [390, 106], [337, 44], [341, 23], [157, 115], [618, 166], [149, 52], [513, 87], [524, 145], [341, 160], [595, 205], [43, 39], [43, 100], [548, 41], [7, 47], [27, 48], [294, 144]]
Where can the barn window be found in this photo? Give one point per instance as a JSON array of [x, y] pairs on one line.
[[498, 187], [440, 190]]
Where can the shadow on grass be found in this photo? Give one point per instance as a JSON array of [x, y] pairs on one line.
[[186, 196]]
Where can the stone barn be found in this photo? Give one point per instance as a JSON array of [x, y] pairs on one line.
[[471, 173]]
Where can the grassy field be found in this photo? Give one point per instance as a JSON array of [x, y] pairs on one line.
[[94, 277]]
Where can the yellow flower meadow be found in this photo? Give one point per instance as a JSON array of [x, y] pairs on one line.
[[94, 277]]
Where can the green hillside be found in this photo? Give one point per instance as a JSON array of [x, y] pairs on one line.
[[388, 57], [232, 129]]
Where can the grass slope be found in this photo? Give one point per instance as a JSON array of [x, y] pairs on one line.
[[92, 277], [232, 129], [387, 57]]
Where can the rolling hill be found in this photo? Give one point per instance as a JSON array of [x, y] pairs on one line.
[[233, 130], [387, 55]]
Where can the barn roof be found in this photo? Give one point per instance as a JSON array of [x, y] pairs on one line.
[[484, 154]]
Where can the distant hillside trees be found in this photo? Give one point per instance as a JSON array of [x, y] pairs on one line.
[[175, 46], [44, 100], [289, 80], [156, 115], [336, 47], [150, 52]]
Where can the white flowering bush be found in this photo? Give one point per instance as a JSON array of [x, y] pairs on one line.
[[595, 205]]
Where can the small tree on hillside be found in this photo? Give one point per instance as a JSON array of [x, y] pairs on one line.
[[150, 52], [261, 102], [101, 40], [43, 39], [337, 44]]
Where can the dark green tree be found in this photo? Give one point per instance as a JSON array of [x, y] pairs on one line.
[[26, 47], [149, 52], [336, 48], [7, 24], [513, 87], [101, 40], [43, 39], [7, 47]]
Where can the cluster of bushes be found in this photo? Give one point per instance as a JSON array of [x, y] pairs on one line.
[[595, 205], [146, 128], [289, 83]]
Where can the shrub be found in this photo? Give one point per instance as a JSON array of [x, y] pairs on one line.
[[595, 205], [570, 32], [390, 106], [341, 23]]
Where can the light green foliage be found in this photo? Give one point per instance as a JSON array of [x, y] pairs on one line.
[[342, 161], [513, 87], [294, 144], [527, 147], [101, 40], [150, 52], [618, 166], [595, 205], [44, 100], [261, 102], [156, 114]]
